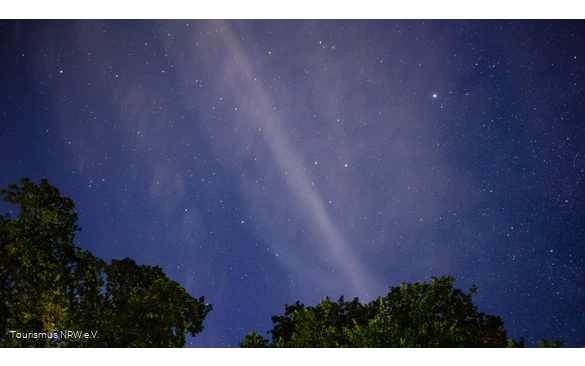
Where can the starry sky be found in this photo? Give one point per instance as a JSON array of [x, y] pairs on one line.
[[263, 162]]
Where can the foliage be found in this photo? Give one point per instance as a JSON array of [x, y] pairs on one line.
[[431, 314], [253, 340], [513, 344], [543, 343], [48, 284]]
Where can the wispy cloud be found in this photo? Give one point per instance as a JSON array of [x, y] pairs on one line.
[[307, 133], [283, 125], [257, 131]]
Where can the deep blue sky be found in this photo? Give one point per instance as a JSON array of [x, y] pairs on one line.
[[260, 163]]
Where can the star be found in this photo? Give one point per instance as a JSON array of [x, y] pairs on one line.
[[434, 96]]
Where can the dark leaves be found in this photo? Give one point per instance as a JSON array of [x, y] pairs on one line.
[[431, 314], [48, 284]]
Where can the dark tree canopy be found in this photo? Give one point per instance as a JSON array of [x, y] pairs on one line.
[[413, 315], [49, 285]]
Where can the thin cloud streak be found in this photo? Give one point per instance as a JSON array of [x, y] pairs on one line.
[[239, 77], [333, 242]]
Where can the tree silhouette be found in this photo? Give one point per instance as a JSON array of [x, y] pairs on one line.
[[431, 314], [49, 285]]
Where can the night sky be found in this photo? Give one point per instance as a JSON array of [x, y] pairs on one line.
[[263, 162]]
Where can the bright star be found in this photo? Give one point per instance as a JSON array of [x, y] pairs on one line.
[[434, 95]]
